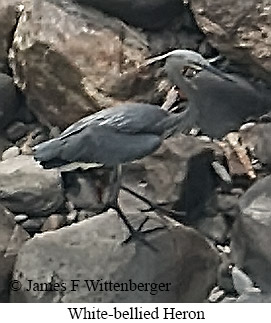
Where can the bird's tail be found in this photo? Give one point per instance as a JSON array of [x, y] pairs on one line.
[[48, 153]]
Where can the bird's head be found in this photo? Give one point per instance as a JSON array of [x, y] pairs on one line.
[[183, 66]]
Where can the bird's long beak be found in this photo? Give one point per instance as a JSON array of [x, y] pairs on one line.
[[217, 72]]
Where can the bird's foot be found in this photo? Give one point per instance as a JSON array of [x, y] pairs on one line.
[[153, 206], [138, 235]]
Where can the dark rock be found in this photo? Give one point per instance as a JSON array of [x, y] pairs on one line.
[[215, 228], [87, 189], [92, 249], [251, 235], [7, 225], [9, 11], [16, 131], [33, 224], [9, 102], [147, 14], [102, 58], [239, 29], [26, 187]]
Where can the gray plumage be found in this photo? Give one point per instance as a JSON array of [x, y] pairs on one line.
[[113, 136], [220, 101]]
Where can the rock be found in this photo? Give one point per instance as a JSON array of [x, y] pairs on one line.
[[251, 235], [53, 222], [9, 102], [16, 131], [7, 225], [87, 189], [257, 139], [9, 11], [27, 188], [240, 30], [11, 152], [147, 14], [92, 250], [242, 283], [18, 238], [215, 228], [178, 174], [101, 55], [34, 224], [20, 218]]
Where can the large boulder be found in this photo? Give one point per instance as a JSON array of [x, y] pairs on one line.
[[147, 14], [251, 235], [93, 250], [239, 29], [71, 62], [27, 188]]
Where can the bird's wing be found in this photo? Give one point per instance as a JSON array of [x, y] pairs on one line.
[[104, 145], [130, 118]]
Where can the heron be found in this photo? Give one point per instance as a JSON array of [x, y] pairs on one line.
[[110, 138], [220, 102]]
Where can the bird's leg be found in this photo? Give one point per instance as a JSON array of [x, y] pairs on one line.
[[152, 206], [137, 234]]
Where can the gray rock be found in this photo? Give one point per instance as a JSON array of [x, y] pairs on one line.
[[242, 283], [11, 152], [9, 102], [27, 188], [33, 224], [18, 238], [92, 250], [16, 131], [251, 235], [147, 14], [7, 225], [242, 33], [102, 58]]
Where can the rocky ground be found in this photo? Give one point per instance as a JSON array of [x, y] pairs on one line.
[[60, 61]]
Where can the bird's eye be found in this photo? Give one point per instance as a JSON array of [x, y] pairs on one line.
[[190, 72]]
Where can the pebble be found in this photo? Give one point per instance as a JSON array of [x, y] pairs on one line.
[[11, 152], [53, 222], [33, 225], [20, 218]]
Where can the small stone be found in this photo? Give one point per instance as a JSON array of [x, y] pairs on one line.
[[53, 222], [16, 131], [11, 152], [20, 218], [33, 225]]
